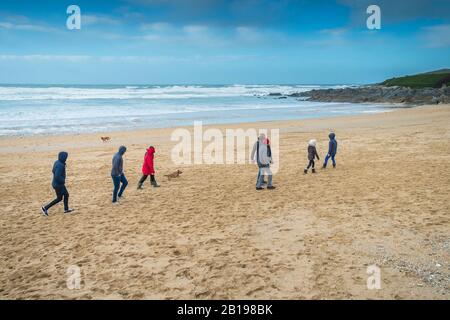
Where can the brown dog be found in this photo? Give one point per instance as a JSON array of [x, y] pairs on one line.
[[175, 174], [105, 139]]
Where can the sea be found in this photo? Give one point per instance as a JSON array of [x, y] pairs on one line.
[[71, 109]]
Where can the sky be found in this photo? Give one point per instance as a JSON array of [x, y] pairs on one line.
[[220, 41]]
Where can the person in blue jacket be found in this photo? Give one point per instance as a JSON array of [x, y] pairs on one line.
[[332, 150], [59, 184], [118, 176]]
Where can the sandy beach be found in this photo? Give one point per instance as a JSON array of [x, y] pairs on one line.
[[210, 235]]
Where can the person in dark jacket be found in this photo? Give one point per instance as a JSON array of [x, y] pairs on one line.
[[118, 175], [332, 150], [59, 184], [148, 168], [312, 154], [269, 154]]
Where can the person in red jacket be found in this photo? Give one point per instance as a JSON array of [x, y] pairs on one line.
[[148, 168]]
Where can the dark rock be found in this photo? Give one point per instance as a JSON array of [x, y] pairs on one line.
[[378, 94]]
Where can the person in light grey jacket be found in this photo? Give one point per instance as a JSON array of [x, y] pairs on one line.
[[261, 154]]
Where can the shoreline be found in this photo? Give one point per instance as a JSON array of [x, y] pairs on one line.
[[20, 139], [387, 107]]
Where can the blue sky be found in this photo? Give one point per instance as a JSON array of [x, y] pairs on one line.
[[220, 42]]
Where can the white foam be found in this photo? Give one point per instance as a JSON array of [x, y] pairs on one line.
[[10, 93]]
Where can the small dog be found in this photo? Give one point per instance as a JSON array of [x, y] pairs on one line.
[[175, 174], [105, 139]]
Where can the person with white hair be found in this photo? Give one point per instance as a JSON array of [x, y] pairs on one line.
[[312, 154], [262, 155]]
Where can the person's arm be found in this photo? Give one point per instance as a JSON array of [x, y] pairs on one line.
[[269, 153], [330, 147], [116, 165], [121, 165], [317, 155], [253, 152], [147, 160]]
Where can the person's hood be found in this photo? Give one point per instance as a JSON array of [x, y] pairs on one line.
[[261, 138], [331, 136], [312, 142], [62, 156], [151, 150], [122, 150]]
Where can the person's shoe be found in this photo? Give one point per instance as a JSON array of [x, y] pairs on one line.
[[313, 170], [155, 185], [139, 186], [305, 171], [68, 211], [324, 167], [334, 166], [271, 187], [259, 188], [44, 211]]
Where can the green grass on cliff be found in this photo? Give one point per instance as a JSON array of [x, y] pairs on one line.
[[434, 79]]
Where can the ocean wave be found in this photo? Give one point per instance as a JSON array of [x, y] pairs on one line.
[[18, 93]]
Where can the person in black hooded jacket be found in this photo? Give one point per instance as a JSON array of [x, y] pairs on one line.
[[59, 184], [332, 150], [119, 180]]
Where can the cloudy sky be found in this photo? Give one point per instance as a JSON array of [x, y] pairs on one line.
[[220, 42]]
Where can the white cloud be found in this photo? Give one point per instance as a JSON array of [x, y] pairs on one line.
[[195, 29], [208, 36], [157, 26], [90, 19], [166, 33], [124, 59], [25, 27], [336, 32], [142, 59], [249, 34], [39, 57], [436, 36]]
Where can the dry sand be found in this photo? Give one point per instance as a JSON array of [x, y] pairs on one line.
[[209, 234]]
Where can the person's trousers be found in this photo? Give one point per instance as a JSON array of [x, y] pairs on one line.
[[144, 177], [260, 178], [120, 183], [328, 158], [310, 164], [61, 193]]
